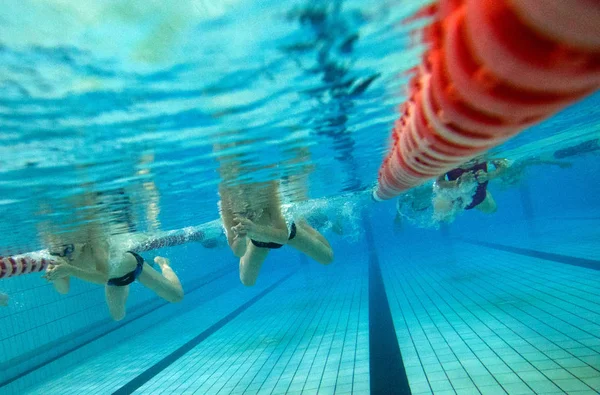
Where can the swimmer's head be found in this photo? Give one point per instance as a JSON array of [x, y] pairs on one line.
[[78, 221], [69, 251], [63, 251]]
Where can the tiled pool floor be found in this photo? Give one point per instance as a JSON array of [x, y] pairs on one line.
[[469, 318]]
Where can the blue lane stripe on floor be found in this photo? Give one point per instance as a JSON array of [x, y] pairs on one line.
[[164, 363], [387, 371], [203, 282], [573, 218], [549, 256]]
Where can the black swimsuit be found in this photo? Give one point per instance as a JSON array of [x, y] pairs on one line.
[[131, 276], [481, 191], [273, 246]]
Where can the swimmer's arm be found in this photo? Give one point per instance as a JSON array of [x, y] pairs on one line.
[[443, 183], [100, 274], [64, 270], [559, 163], [500, 167], [95, 276], [276, 231]]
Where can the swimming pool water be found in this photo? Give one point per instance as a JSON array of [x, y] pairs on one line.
[[507, 303], [500, 304]]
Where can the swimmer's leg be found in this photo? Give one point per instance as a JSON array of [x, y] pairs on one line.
[[397, 223], [237, 244], [312, 243], [488, 205], [3, 299], [251, 263], [442, 209], [165, 285], [61, 285], [116, 298]]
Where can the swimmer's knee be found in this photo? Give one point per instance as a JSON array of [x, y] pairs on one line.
[[489, 208], [117, 315], [238, 248], [327, 258], [61, 286], [248, 283], [176, 296], [247, 280], [397, 227], [327, 261], [117, 312]]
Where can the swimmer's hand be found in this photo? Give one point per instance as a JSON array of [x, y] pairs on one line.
[[54, 272], [3, 299], [505, 163], [245, 227], [162, 262], [482, 176], [466, 178]]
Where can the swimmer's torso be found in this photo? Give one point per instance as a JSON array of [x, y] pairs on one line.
[[252, 201]]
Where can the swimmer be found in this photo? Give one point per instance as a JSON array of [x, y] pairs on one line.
[[253, 219], [586, 147], [90, 262], [88, 256], [318, 219], [293, 188], [256, 225], [515, 173], [3, 299], [476, 170], [413, 204]]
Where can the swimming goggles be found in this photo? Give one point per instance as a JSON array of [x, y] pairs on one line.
[[67, 251]]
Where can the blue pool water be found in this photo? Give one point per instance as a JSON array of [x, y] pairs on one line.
[[129, 100]]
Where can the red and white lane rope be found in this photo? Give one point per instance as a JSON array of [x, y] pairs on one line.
[[492, 69]]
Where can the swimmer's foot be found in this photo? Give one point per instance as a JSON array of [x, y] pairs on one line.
[[3, 299], [162, 262]]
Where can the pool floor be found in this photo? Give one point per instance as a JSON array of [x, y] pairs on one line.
[[519, 314]]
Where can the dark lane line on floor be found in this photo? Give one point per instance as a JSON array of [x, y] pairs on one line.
[[164, 363], [572, 218], [32, 369], [549, 256], [387, 371]]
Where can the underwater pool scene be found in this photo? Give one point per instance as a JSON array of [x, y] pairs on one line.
[[300, 197]]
